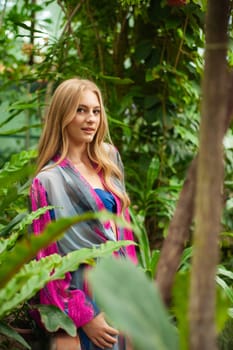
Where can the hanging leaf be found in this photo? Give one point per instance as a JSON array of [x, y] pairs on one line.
[[55, 319], [133, 306]]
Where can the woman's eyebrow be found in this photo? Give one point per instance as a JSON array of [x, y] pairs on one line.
[[86, 106]]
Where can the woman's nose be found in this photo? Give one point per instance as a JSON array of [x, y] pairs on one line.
[[91, 116]]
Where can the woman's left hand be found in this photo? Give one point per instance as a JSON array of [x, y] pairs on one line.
[[100, 333]]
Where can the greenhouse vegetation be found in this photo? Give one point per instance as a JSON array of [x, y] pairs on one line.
[[148, 57]]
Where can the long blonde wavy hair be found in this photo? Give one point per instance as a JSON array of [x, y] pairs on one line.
[[54, 137]]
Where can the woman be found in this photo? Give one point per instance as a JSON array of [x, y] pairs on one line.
[[77, 172]]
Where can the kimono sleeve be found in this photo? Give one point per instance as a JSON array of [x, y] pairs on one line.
[[74, 302]]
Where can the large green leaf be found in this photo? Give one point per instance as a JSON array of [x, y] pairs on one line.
[[132, 303], [23, 285], [55, 319], [27, 248], [34, 275], [73, 259]]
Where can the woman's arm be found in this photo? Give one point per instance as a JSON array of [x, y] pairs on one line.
[[79, 307]]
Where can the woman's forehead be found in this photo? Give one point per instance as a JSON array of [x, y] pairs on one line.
[[89, 98]]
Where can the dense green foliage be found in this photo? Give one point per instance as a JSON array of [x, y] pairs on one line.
[[147, 58], [151, 83]]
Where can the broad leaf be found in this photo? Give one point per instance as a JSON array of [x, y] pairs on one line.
[[133, 304], [34, 275], [26, 249], [55, 319]]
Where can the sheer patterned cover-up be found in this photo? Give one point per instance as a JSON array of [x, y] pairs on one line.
[[64, 187]]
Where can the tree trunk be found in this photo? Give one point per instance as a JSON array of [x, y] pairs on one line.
[[178, 234], [179, 228], [209, 180]]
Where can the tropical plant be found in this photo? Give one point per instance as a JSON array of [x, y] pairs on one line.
[[147, 323], [136, 309], [148, 59], [18, 285], [147, 83]]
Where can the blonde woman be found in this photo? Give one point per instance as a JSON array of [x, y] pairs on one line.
[[80, 170]]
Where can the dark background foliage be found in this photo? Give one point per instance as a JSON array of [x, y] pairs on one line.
[[146, 57]]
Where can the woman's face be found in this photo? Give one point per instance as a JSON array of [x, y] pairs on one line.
[[83, 127]]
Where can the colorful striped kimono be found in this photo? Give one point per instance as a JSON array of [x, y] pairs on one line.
[[64, 187]]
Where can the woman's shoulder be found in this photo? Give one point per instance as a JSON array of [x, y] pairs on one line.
[[113, 154], [111, 150], [109, 147], [48, 173]]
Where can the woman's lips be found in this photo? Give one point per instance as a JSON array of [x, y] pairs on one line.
[[88, 130]]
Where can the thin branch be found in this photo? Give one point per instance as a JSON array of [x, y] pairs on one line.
[[69, 20], [181, 42], [68, 26]]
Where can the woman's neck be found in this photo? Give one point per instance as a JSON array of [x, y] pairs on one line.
[[78, 155]]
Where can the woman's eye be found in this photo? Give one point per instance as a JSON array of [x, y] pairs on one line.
[[80, 110], [85, 110]]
